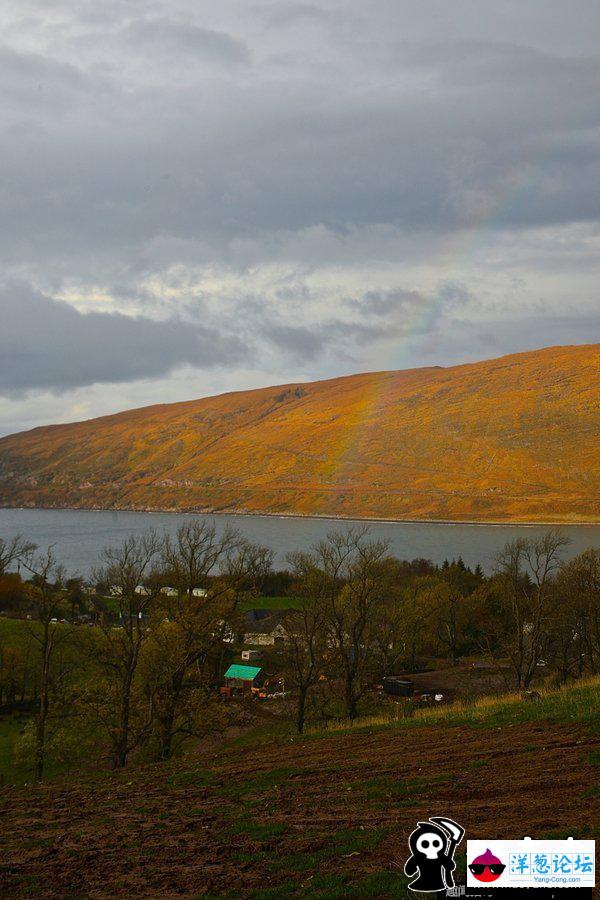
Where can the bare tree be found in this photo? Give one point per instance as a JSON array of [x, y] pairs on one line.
[[576, 616], [306, 634], [193, 555], [193, 625], [419, 616], [350, 588], [46, 597], [525, 569], [126, 569], [14, 550]]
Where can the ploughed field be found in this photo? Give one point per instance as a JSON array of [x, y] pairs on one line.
[[321, 816]]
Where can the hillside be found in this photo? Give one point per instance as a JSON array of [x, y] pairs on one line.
[[510, 439], [323, 816]]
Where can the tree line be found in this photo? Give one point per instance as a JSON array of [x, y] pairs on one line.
[[144, 679]]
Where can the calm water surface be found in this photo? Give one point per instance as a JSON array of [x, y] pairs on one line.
[[79, 536]]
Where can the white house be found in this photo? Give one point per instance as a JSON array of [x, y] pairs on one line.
[[266, 632]]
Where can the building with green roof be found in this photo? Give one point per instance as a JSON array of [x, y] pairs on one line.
[[239, 676]]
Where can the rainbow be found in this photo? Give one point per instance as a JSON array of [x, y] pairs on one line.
[[419, 317]]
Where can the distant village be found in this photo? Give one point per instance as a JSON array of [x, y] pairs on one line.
[[175, 640]]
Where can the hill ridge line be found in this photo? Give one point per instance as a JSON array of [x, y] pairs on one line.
[[508, 440]]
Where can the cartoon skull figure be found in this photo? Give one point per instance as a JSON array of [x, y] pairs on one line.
[[430, 844], [430, 861]]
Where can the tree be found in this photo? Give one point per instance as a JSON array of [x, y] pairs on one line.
[[118, 652], [46, 596], [353, 575], [188, 560], [525, 569], [306, 634], [575, 616], [191, 626], [76, 597], [14, 550], [11, 674], [448, 598], [13, 592], [389, 636], [457, 584]]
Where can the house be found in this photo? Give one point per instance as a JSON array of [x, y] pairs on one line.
[[245, 678], [251, 655], [169, 591], [266, 631], [224, 632], [142, 591]]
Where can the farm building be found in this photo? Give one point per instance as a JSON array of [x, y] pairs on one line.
[[173, 592], [398, 687], [244, 677], [267, 631]]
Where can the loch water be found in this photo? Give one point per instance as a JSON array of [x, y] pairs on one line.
[[79, 536]]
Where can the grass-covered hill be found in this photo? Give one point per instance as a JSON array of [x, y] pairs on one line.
[[510, 439], [327, 815]]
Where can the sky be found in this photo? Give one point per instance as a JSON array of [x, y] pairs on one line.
[[198, 197]]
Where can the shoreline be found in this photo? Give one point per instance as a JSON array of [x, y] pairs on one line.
[[472, 523]]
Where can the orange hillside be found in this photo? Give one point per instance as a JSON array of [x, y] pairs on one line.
[[510, 439]]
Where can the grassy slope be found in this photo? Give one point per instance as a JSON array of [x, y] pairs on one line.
[[324, 816], [508, 439]]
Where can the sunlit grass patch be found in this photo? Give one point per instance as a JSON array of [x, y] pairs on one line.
[[191, 778], [386, 787], [260, 783], [381, 884], [344, 842], [259, 831], [577, 702]]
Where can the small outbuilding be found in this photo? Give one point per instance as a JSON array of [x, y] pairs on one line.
[[244, 678], [398, 687]]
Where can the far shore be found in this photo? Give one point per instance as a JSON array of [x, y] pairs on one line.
[[492, 523]]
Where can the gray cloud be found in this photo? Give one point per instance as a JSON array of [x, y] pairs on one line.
[[170, 37], [488, 130], [281, 15], [300, 177], [48, 345], [466, 341], [384, 303], [304, 343]]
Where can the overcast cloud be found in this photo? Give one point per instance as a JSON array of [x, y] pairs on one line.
[[203, 196]]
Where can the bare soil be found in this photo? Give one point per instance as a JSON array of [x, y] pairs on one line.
[[289, 819]]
